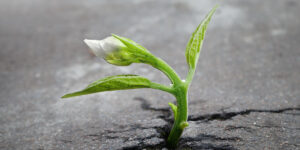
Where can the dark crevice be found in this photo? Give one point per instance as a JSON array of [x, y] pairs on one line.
[[143, 146], [231, 128], [132, 128], [196, 141], [66, 141], [229, 115], [205, 137], [95, 137], [208, 146], [140, 145], [166, 112], [147, 106], [274, 126], [162, 130], [294, 114], [201, 141]]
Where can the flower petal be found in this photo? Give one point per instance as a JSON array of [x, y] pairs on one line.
[[95, 46], [111, 44]]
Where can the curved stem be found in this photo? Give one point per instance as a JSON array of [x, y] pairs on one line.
[[166, 69], [180, 91]]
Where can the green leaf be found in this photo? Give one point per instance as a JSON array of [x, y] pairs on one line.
[[137, 52], [130, 43], [194, 45], [119, 82], [120, 57]]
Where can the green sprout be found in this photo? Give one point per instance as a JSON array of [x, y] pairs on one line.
[[122, 51]]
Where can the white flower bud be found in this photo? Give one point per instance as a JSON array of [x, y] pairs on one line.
[[101, 48], [119, 51]]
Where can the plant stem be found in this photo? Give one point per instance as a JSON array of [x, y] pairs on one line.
[[180, 121], [166, 69], [180, 90]]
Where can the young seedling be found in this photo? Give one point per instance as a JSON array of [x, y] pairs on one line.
[[122, 51]]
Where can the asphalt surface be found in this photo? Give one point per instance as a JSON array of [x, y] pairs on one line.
[[245, 94]]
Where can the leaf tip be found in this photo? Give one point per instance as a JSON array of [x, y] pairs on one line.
[[65, 96], [213, 10], [216, 6], [114, 35]]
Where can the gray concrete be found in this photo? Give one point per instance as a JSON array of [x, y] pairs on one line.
[[245, 95]]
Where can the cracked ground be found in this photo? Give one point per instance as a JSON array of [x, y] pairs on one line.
[[245, 93]]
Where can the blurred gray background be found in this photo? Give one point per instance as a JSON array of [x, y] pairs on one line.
[[250, 60]]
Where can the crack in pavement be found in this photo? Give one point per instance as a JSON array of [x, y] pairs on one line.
[[183, 142], [273, 126], [201, 141], [206, 118], [209, 146], [214, 116], [202, 137], [229, 115], [193, 142], [231, 128], [166, 113]]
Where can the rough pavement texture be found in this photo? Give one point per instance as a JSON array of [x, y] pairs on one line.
[[245, 95]]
